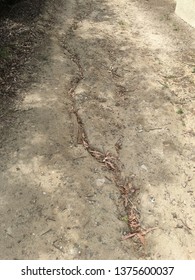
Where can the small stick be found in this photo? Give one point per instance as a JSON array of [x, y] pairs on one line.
[[46, 232]]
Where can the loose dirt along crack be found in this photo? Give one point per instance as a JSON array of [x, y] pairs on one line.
[[112, 163]]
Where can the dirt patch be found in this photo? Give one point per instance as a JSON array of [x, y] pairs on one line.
[[97, 161]]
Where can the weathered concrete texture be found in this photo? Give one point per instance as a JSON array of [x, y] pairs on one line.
[[185, 9]]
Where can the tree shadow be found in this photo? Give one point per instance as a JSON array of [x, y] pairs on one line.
[[21, 41]]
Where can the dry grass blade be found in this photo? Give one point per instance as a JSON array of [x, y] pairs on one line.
[[109, 165], [96, 154], [140, 235], [129, 235]]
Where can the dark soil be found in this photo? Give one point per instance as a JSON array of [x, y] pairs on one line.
[[20, 44]]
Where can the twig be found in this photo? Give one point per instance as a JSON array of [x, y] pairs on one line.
[[46, 232], [186, 226]]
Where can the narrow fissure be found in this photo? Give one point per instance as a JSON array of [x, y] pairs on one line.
[[109, 161]]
